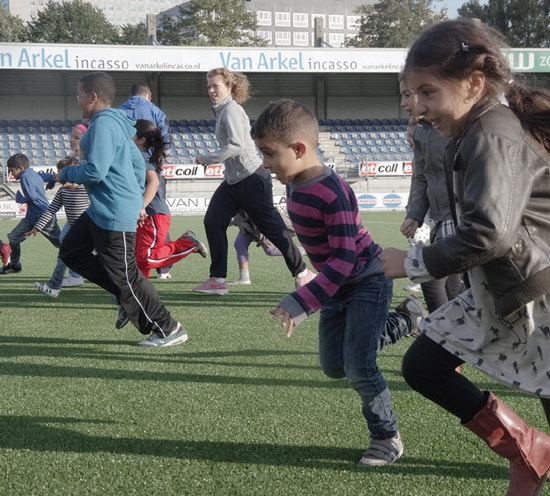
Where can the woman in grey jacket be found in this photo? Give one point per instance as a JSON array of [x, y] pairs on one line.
[[246, 186], [499, 159]]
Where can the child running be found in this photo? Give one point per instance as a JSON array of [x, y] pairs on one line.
[[499, 156], [75, 200], [350, 288], [152, 250], [73, 279], [32, 185], [101, 242]]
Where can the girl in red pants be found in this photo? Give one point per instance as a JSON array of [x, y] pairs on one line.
[[152, 250]]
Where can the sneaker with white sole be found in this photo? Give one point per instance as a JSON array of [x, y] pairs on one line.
[[45, 288], [239, 281], [382, 452], [202, 250], [302, 281], [413, 308], [165, 275], [72, 282], [210, 286], [157, 340]]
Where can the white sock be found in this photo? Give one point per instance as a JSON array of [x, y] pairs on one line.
[[244, 275], [219, 280]]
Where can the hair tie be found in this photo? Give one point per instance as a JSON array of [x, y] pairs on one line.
[[465, 47], [81, 127]]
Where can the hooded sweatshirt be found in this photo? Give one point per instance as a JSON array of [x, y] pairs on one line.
[[113, 169], [137, 107]]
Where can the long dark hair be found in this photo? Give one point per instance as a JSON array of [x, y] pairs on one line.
[[453, 49], [154, 140]]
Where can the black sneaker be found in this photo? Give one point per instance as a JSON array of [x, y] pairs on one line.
[[10, 269], [202, 250], [122, 318]]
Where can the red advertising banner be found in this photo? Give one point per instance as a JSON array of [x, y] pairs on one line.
[[373, 169]]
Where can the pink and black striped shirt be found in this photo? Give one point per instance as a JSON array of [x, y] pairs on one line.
[[325, 216]]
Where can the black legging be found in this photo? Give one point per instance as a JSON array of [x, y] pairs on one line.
[[254, 195], [430, 369]]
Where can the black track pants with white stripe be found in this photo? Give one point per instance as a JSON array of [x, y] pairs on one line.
[[107, 258]]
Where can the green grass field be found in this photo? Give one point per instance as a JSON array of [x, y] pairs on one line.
[[237, 410]]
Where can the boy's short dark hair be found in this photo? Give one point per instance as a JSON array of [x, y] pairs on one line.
[[286, 121], [140, 88], [18, 160], [64, 162], [100, 83]]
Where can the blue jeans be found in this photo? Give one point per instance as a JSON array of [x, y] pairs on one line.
[[350, 327], [59, 272], [17, 236]]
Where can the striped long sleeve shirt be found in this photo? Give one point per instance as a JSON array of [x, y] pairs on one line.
[[75, 201], [325, 216]]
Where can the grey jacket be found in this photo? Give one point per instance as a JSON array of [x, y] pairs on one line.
[[237, 150], [428, 187], [501, 180]]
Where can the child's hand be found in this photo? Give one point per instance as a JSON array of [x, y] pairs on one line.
[[32, 232], [394, 263], [200, 160], [409, 227], [286, 322], [142, 216]]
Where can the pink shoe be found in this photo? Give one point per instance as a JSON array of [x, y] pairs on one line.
[[302, 281], [210, 286], [5, 252]]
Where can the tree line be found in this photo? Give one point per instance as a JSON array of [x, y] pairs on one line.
[[386, 24]]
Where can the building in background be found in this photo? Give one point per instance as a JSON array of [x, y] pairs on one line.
[[118, 12], [287, 23]]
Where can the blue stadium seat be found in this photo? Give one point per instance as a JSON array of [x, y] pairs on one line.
[[3, 124], [35, 123], [57, 123], [183, 123], [212, 122]]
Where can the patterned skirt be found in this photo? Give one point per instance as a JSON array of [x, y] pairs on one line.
[[514, 351]]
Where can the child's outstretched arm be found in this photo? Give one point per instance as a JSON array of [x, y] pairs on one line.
[[287, 321]]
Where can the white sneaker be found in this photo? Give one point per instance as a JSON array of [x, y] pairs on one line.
[[177, 336], [72, 282], [166, 275], [382, 452], [414, 309], [413, 288], [239, 281], [43, 286]]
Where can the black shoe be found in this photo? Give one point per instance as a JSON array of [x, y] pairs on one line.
[[122, 318], [202, 250], [10, 269]]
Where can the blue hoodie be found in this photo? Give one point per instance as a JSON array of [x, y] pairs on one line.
[[137, 107], [113, 169]]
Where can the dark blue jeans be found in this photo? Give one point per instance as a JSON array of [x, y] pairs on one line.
[[350, 327]]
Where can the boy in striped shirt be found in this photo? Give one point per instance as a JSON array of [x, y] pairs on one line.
[[350, 288], [74, 198]]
